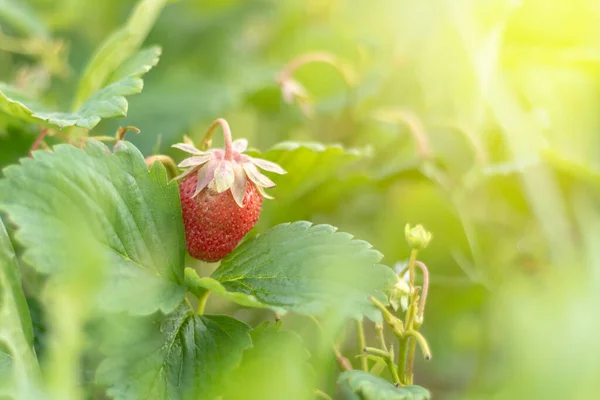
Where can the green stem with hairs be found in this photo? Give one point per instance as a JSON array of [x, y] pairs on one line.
[[388, 357], [421, 341], [321, 395], [393, 322], [189, 303], [342, 361], [402, 356], [381, 337], [376, 352], [166, 161], [404, 359], [202, 302], [411, 268], [207, 140], [360, 331]]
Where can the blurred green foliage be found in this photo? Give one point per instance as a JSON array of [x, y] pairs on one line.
[[502, 96]]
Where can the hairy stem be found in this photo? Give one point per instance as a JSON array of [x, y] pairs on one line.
[[412, 348], [393, 322], [120, 135], [104, 138], [405, 367], [202, 302], [421, 341], [380, 336], [376, 352], [38, 141], [410, 362], [164, 160], [413, 320], [417, 338], [414, 125], [189, 303], [206, 141], [402, 355], [321, 395], [411, 269], [406, 344], [388, 357], [364, 364], [319, 56], [425, 290], [393, 369], [342, 361]]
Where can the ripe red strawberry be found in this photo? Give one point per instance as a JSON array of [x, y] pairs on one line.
[[214, 223], [221, 196]]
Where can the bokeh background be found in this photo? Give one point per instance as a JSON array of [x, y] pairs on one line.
[[477, 119]]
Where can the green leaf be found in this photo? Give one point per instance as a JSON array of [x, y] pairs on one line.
[[15, 141], [309, 165], [128, 215], [178, 356], [198, 286], [10, 286], [12, 102], [275, 367], [40, 325], [371, 387], [307, 269], [16, 332], [319, 178], [117, 48], [108, 102]]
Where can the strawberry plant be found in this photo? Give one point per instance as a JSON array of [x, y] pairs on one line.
[[298, 199], [105, 232]]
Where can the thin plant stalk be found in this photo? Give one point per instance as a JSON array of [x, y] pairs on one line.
[[202, 302], [207, 140], [364, 364]]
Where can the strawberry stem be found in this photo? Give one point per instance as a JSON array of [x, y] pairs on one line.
[[166, 161], [318, 56], [423, 295], [206, 141], [414, 125], [38, 141], [364, 363], [120, 135], [202, 302]]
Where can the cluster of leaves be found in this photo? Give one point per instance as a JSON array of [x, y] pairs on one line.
[[106, 236], [128, 220], [483, 129]]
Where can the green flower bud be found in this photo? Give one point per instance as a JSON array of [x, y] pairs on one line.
[[418, 238], [399, 295]]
